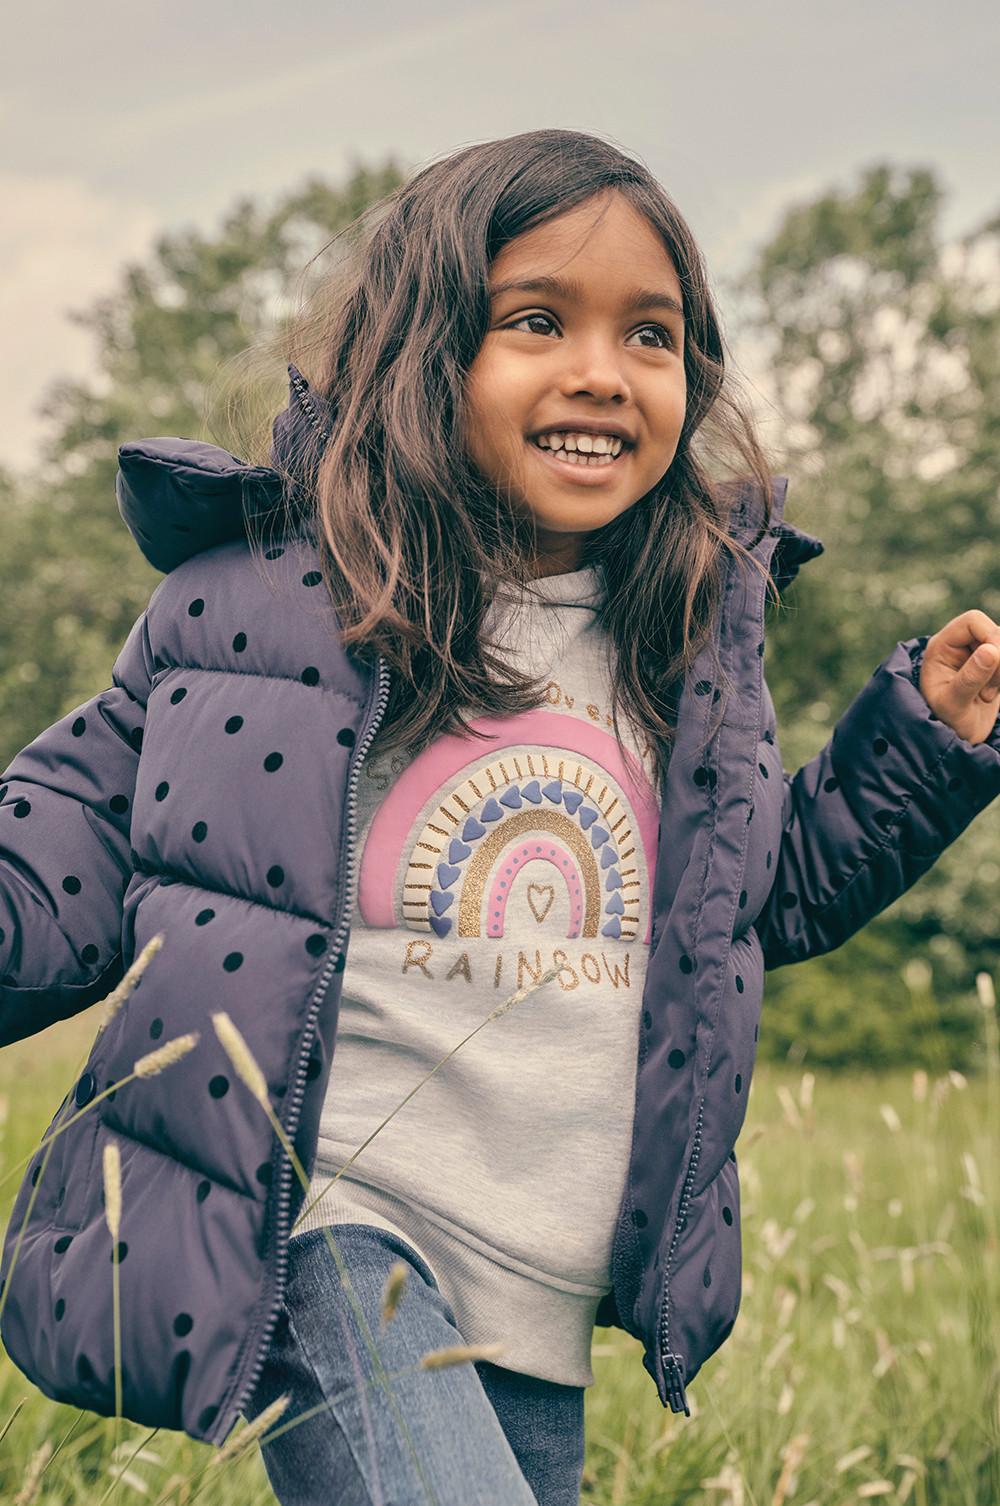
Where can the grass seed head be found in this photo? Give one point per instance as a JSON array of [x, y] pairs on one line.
[[116, 998], [241, 1441], [393, 1289], [523, 993], [437, 1359], [241, 1056], [165, 1056], [113, 1189]]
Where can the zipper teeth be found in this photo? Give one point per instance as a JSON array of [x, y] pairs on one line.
[[286, 1170], [665, 1352]]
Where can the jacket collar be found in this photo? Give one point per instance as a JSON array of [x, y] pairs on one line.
[[179, 497]]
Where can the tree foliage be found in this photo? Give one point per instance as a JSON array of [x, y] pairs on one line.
[[884, 352]]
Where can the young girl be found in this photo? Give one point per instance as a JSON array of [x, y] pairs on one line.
[[463, 689]]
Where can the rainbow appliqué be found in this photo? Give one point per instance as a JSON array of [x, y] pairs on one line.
[[550, 810]]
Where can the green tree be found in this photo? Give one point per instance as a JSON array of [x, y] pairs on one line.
[[884, 354], [73, 581]]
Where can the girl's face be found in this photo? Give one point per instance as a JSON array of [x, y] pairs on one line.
[[605, 349]]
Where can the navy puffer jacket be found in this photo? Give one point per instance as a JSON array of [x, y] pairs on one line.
[[208, 794]]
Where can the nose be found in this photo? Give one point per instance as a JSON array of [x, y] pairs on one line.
[[595, 368]]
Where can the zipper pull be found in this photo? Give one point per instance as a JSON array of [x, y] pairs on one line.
[[675, 1384]]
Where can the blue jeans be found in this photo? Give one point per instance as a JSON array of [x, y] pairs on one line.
[[484, 1436]]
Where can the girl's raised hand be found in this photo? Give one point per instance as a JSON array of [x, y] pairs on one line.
[[960, 675]]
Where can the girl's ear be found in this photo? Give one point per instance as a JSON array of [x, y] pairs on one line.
[[303, 427]]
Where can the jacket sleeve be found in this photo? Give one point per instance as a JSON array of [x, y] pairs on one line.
[[872, 812], [65, 851]]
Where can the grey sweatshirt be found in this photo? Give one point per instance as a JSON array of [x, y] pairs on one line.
[[478, 866]]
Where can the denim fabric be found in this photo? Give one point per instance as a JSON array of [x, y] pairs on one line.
[[484, 1436]]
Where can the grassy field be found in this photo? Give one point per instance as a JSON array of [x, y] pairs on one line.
[[864, 1363]]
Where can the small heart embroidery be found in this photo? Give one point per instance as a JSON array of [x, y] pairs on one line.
[[537, 892]]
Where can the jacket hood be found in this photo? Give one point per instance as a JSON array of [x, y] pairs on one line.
[[179, 497]]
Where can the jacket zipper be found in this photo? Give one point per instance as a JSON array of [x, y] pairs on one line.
[[244, 1389], [673, 1364]]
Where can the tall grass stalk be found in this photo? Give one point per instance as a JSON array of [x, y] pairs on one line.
[[113, 1218], [515, 998], [149, 1065], [122, 1470], [250, 1074]]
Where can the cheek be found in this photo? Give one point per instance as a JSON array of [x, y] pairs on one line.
[[484, 415]]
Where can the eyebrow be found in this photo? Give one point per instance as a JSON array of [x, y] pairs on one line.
[[569, 288]]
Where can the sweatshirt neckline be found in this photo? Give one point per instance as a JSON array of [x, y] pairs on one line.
[[569, 588]]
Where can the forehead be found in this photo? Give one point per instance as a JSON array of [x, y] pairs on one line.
[[596, 243]]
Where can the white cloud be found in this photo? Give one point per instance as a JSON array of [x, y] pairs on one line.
[[63, 246]]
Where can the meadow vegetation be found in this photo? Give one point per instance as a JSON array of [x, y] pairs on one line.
[[864, 1362]]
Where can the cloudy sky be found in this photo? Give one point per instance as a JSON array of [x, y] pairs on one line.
[[119, 121]]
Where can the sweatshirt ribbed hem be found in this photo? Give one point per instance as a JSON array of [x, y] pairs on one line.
[[546, 1331]]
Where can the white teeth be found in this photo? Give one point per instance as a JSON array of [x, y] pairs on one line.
[[587, 444], [570, 457]]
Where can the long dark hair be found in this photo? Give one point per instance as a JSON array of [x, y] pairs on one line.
[[412, 538]]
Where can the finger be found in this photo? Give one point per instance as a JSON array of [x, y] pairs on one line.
[[970, 629], [979, 670]]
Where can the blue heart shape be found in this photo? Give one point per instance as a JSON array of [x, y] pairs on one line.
[[441, 924], [511, 798], [446, 875], [608, 856], [599, 835], [441, 902], [614, 880], [458, 850], [572, 800], [491, 811], [553, 791], [472, 829], [532, 792], [615, 906], [587, 817], [613, 928]]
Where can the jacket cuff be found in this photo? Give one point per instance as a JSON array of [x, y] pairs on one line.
[[927, 781]]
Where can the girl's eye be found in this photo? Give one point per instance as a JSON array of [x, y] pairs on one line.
[[668, 337]]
